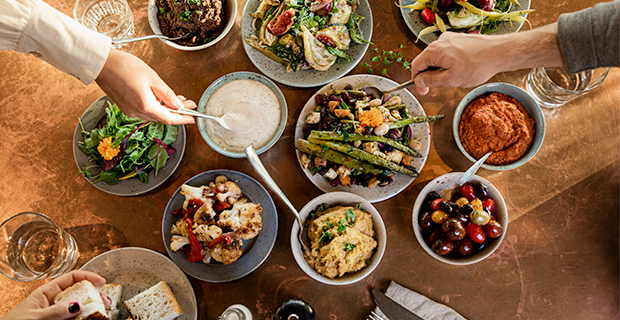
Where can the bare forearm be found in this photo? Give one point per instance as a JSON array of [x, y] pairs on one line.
[[530, 49]]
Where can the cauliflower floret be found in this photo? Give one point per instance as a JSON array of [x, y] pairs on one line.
[[227, 254], [206, 233], [373, 182], [305, 161], [331, 174], [229, 190], [194, 193], [313, 118], [395, 156], [370, 147], [249, 218], [229, 220], [180, 227], [205, 214], [178, 242]]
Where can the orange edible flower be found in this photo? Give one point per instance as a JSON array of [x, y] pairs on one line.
[[105, 150], [372, 118]]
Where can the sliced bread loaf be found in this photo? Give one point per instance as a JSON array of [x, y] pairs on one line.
[[156, 303], [88, 295], [114, 292]]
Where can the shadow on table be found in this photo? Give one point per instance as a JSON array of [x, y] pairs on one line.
[[95, 239]]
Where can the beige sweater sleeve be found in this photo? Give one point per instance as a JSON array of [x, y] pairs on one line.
[[35, 28]]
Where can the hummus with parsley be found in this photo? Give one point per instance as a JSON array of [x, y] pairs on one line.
[[499, 123], [342, 239]]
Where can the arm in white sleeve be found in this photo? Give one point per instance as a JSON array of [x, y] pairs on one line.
[[34, 27]]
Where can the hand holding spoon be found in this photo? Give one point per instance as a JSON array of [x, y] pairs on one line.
[[233, 122]]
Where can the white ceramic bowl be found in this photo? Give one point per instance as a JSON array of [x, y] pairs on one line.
[[153, 11], [343, 198], [522, 96], [241, 75], [449, 181]]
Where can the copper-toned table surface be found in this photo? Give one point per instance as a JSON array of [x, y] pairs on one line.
[[559, 259]]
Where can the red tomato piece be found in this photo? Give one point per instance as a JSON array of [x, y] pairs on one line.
[[468, 192], [428, 16], [475, 233], [489, 204], [435, 204]]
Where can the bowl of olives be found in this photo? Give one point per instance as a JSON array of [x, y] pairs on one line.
[[460, 225]]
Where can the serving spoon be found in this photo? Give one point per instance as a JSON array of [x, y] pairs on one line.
[[152, 36], [232, 122], [376, 92], [470, 172], [250, 152]]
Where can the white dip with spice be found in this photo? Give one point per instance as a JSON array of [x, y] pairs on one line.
[[252, 110]]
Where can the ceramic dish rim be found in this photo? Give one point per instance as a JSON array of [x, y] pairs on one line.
[[500, 205], [526, 100], [349, 199], [242, 75]]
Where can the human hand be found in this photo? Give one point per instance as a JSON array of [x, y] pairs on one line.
[[464, 60], [39, 305], [139, 91]]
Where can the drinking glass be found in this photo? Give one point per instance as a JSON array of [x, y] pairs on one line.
[[553, 87], [110, 17], [33, 247]]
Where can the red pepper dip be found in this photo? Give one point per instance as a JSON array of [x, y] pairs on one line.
[[499, 123]]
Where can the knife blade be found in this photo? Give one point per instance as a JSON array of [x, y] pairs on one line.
[[391, 308]]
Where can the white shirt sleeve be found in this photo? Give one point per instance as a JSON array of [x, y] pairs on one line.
[[34, 27]]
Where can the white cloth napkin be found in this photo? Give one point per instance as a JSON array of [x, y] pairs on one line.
[[422, 306]]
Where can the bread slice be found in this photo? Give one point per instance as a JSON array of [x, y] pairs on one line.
[[113, 291], [88, 295], [156, 303]]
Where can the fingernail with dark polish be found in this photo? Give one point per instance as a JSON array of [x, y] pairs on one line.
[[74, 307]]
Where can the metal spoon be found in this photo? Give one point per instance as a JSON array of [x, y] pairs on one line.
[[221, 121], [378, 93], [152, 36], [250, 152], [470, 172]]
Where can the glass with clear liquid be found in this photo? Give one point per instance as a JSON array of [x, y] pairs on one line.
[[33, 247], [554, 87], [109, 17]]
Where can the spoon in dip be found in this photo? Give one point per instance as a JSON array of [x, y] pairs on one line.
[[233, 122], [250, 152], [470, 172]]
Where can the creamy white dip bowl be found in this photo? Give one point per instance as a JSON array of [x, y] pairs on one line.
[[211, 90]]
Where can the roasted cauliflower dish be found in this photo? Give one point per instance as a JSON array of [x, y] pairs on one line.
[[342, 238], [213, 222]]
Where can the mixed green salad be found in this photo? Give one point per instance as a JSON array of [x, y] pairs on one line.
[[123, 147], [475, 16]]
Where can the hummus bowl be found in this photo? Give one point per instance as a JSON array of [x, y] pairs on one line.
[[528, 103], [447, 182], [340, 198]]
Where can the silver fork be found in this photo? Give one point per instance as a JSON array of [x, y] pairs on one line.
[[374, 316]]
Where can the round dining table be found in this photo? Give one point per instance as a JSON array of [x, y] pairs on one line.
[[558, 260]]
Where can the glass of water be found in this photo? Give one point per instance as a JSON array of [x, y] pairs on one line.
[[110, 17], [33, 247], [553, 87]]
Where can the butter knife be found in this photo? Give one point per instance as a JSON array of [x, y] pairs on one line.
[[391, 308]]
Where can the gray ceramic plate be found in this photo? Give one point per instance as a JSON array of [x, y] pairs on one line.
[[305, 78], [421, 131], [255, 251], [242, 75], [137, 269], [416, 24], [130, 187]]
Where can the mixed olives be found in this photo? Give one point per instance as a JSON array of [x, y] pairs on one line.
[[464, 224]]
